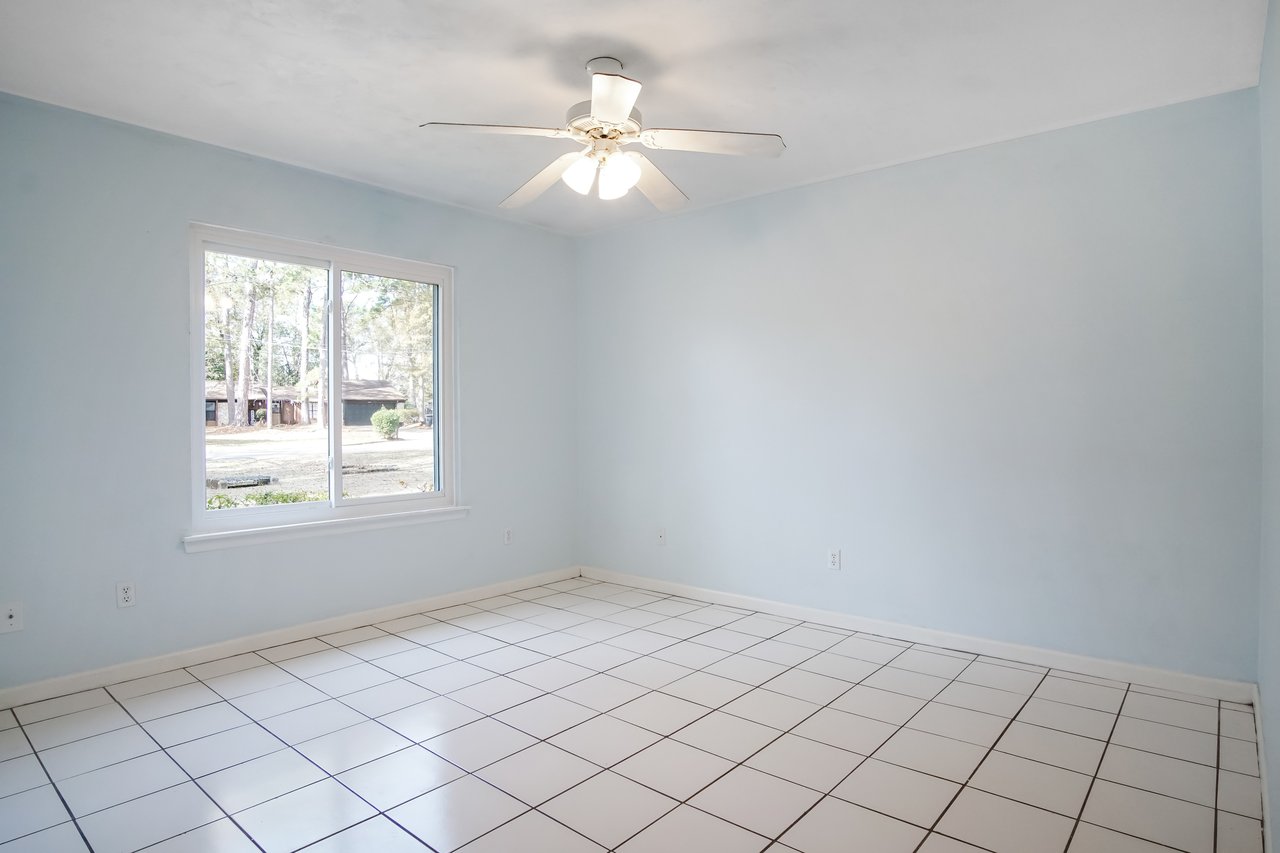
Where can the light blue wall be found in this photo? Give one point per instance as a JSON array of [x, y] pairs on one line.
[[1018, 386], [94, 423], [1269, 595]]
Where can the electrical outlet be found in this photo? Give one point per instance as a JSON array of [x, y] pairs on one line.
[[12, 618], [833, 559], [662, 536], [506, 536], [126, 594]]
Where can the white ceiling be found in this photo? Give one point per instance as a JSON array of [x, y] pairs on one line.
[[341, 85]]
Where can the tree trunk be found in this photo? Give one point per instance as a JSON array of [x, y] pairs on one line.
[[304, 324], [228, 371], [246, 351], [347, 349], [271, 346], [324, 366]]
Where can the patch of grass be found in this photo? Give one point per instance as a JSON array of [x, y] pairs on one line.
[[267, 498]]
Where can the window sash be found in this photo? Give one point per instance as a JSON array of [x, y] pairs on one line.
[[336, 303]]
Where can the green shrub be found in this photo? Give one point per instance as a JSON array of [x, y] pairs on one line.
[[267, 498], [387, 422]]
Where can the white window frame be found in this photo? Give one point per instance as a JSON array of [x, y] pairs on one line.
[[212, 529]]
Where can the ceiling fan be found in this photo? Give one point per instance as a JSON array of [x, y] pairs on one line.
[[603, 126]]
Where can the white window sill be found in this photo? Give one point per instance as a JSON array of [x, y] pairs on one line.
[[216, 540]]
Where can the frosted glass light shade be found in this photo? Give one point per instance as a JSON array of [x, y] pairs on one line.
[[618, 175], [581, 175]]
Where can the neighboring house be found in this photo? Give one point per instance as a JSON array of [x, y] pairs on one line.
[[360, 399], [282, 401]]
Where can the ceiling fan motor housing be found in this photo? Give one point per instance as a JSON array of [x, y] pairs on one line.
[[579, 118]]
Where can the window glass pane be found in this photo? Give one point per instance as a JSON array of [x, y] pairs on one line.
[[265, 381], [388, 386]]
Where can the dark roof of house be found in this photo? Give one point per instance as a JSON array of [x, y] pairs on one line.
[[352, 389], [371, 389], [218, 391]]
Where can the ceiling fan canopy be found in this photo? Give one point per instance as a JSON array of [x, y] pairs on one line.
[[604, 126]]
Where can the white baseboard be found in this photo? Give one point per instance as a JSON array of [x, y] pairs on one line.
[[62, 685], [1217, 688]]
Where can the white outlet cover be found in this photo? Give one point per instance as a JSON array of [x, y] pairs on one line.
[[12, 618]]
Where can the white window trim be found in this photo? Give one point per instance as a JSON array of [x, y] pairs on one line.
[[212, 529]]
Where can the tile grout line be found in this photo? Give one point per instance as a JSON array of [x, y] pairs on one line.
[[159, 748], [743, 762], [627, 629], [1217, 775], [969, 661], [651, 690], [899, 727], [677, 641], [285, 746], [1088, 793], [777, 839], [255, 721], [190, 778], [924, 648], [56, 790], [964, 785], [412, 744], [327, 775], [661, 737], [1007, 663], [495, 674], [484, 716], [761, 686]]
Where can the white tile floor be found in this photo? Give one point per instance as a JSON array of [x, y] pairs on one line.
[[584, 716]]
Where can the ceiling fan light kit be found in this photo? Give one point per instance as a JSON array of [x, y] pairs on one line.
[[603, 125], [581, 175], [618, 175]]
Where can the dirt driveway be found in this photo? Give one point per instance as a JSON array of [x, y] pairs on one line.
[[297, 458]]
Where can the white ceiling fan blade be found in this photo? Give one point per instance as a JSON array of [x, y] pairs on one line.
[[541, 182], [512, 130], [714, 142], [656, 186], [612, 97]]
